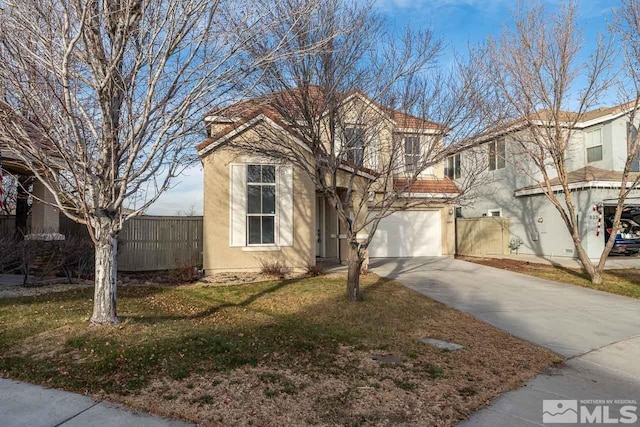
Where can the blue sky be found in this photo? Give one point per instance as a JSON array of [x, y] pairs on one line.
[[458, 22]]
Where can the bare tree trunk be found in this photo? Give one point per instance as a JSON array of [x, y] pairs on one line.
[[104, 301], [354, 264], [594, 271]]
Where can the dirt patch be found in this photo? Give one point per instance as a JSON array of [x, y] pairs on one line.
[[511, 264], [356, 391]]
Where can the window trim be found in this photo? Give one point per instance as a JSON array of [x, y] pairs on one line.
[[588, 145], [413, 154], [351, 150], [453, 167], [261, 215], [499, 210], [495, 158]]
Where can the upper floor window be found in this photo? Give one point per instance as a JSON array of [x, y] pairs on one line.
[[411, 153], [453, 167], [633, 135], [261, 204], [497, 154], [594, 145], [354, 146]]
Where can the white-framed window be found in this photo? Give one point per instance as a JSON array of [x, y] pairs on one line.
[[497, 154], [594, 145], [453, 167], [354, 145], [261, 204], [494, 212], [632, 134], [411, 152]]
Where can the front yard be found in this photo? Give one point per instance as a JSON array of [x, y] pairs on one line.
[[624, 282], [288, 352]]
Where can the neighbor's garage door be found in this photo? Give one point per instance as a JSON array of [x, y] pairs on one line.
[[408, 234]]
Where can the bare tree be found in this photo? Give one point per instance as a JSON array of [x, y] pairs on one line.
[[342, 78], [539, 71], [103, 100], [8, 195]]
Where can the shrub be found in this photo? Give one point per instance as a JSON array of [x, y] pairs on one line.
[[314, 270], [187, 272], [274, 268], [10, 259], [76, 257]]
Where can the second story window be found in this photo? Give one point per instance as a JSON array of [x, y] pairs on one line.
[[453, 167], [594, 145], [411, 153], [497, 154], [633, 135], [354, 146]]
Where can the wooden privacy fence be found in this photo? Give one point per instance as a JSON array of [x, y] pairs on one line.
[[482, 236], [160, 243], [145, 243]]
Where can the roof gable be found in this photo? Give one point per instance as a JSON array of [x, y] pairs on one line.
[[240, 115]]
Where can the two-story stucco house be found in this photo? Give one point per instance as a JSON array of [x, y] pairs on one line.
[[257, 208], [512, 185]]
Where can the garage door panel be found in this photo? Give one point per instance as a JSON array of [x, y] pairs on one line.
[[408, 234]]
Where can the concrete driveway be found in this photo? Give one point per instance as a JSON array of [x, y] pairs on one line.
[[598, 333]]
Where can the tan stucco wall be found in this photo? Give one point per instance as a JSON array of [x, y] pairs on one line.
[[218, 255]]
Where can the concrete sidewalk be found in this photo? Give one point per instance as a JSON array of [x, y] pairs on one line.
[[27, 405], [598, 333]]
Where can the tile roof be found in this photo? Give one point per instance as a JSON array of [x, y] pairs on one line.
[[426, 186], [544, 116], [272, 105], [587, 174]]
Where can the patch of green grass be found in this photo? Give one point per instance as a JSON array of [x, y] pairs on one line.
[[435, 372], [204, 399], [467, 391], [406, 385], [270, 393], [177, 332]]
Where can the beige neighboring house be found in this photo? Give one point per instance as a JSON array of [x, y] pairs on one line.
[[294, 223]]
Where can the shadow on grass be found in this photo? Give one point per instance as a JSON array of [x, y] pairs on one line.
[[175, 347], [213, 309]]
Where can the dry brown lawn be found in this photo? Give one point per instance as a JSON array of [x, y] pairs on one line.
[[291, 352], [622, 282]]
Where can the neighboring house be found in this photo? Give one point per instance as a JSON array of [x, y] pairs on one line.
[[512, 186], [294, 223]]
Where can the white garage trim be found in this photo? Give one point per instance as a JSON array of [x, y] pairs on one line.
[[410, 233]]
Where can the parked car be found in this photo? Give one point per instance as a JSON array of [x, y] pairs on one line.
[[628, 238]]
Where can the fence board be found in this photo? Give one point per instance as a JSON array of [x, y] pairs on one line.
[[160, 243], [145, 243], [482, 236]]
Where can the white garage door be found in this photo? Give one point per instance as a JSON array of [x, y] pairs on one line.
[[408, 234]]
